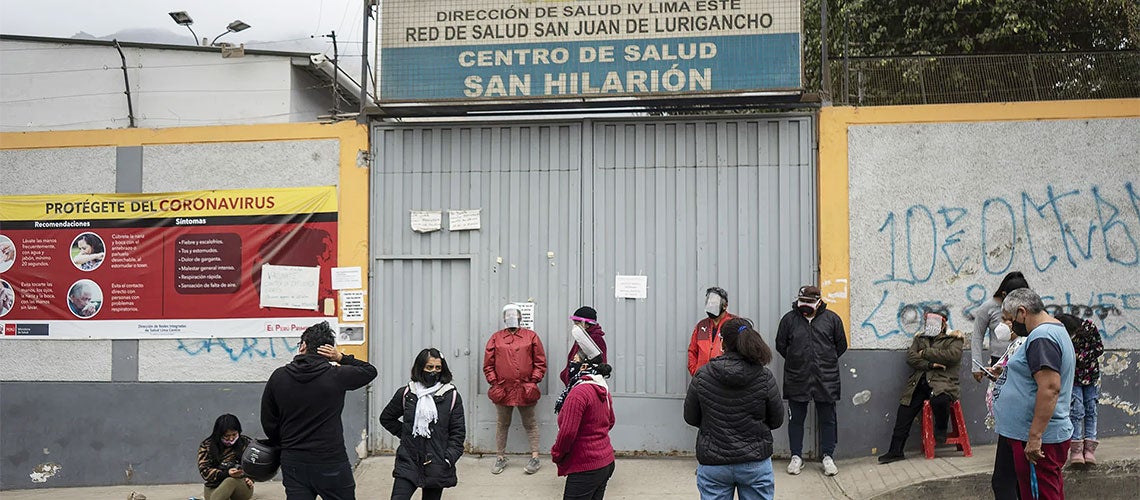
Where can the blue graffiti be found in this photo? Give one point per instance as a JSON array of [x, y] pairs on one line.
[[1077, 227], [249, 348], [1119, 243], [1102, 308]]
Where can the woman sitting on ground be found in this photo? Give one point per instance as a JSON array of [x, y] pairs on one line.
[[219, 461]]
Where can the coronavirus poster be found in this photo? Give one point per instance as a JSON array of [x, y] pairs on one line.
[[178, 265]]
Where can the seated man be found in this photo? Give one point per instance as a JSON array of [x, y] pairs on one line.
[[934, 355]]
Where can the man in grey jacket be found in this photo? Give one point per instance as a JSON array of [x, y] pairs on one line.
[[987, 317]]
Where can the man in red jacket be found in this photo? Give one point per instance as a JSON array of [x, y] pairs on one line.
[[514, 363], [705, 343]]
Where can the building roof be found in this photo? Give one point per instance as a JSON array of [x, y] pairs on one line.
[[141, 45]]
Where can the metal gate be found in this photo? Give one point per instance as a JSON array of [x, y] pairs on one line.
[[564, 208]]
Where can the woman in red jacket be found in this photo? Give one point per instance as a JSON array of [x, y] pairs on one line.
[[585, 411], [514, 363]]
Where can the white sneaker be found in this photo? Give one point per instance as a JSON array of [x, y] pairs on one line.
[[829, 468], [795, 465]]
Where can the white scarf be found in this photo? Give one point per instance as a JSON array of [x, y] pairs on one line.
[[425, 408]]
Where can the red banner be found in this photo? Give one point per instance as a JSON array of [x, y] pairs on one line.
[[176, 265]]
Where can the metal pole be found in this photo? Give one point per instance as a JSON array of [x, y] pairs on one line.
[[127, 84], [364, 57], [846, 64], [336, 74], [825, 73]]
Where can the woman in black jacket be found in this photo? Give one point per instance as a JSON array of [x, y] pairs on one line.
[[735, 402], [427, 416]]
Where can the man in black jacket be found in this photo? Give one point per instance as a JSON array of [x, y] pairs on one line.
[[811, 339], [301, 413]]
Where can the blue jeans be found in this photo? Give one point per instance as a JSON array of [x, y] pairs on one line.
[[750, 480], [1083, 411]]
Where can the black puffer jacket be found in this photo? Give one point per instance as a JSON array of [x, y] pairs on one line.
[[427, 462], [811, 352], [736, 404]]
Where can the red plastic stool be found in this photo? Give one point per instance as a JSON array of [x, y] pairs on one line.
[[957, 434]]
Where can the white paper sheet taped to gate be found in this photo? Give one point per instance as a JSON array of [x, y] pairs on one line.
[[631, 287], [426, 221], [463, 220]]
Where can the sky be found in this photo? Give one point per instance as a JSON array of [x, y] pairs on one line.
[[276, 24]]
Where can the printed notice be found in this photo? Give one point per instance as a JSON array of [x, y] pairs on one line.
[[527, 310], [426, 221], [352, 305], [346, 277], [293, 287], [204, 263], [463, 220], [631, 287]]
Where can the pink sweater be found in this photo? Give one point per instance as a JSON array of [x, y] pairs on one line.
[[583, 442]]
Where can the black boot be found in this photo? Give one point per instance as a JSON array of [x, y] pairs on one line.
[[894, 454], [891, 456]]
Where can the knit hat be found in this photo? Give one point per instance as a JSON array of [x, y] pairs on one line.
[[586, 314], [1011, 282]]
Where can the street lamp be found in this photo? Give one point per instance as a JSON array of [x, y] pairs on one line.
[[233, 27], [183, 19]]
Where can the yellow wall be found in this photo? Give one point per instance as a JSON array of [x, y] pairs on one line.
[[353, 192], [834, 238]]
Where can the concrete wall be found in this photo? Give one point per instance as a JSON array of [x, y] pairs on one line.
[[942, 201], [134, 411], [70, 86]]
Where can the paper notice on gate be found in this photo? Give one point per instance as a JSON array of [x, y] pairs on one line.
[[463, 220], [426, 221], [527, 312], [631, 287], [292, 287]]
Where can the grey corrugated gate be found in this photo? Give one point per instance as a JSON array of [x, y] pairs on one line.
[[564, 208]]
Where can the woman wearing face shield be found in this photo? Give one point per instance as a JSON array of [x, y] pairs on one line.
[[585, 321], [427, 416], [585, 409], [514, 362]]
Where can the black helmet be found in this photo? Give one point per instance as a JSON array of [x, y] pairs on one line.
[[260, 461]]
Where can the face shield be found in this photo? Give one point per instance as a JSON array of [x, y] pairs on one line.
[[512, 317], [714, 305], [933, 325]]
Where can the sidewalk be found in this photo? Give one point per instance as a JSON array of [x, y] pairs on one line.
[[634, 478]]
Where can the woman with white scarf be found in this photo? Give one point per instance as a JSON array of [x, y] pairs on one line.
[[427, 416]]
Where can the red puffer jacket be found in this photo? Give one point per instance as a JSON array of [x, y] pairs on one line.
[[514, 363]]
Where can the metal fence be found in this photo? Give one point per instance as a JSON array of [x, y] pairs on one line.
[[879, 81]]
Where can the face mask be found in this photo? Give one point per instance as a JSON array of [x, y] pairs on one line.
[[229, 442], [1020, 330], [431, 378], [511, 320], [574, 369], [713, 305], [1002, 331], [807, 308]]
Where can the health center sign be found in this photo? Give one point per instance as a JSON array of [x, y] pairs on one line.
[[485, 50], [177, 265]]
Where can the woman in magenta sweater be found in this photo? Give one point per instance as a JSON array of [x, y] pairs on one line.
[[585, 411]]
